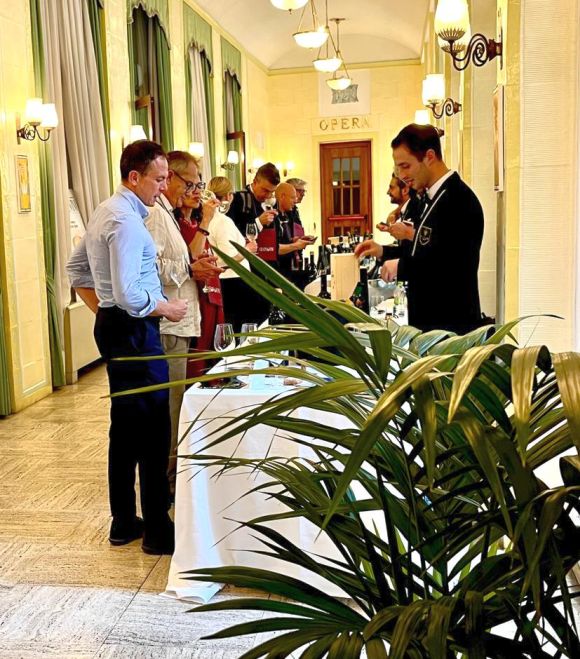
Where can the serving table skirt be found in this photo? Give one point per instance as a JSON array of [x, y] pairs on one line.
[[209, 506]]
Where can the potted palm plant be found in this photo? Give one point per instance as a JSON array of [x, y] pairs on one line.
[[471, 552]]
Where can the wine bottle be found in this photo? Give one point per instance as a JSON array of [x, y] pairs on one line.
[[311, 268], [324, 294], [360, 295]]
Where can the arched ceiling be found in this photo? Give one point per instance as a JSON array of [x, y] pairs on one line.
[[374, 30]]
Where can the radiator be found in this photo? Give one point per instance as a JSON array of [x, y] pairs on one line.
[[80, 348]]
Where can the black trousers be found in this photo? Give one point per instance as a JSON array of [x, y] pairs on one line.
[[140, 428]]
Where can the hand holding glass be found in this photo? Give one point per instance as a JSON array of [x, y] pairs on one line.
[[207, 195]]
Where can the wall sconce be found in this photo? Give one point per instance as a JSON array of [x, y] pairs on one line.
[[136, 133], [422, 117], [256, 164], [434, 96], [36, 115], [452, 23], [197, 149], [232, 160]]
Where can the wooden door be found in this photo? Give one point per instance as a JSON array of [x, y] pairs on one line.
[[346, 188]]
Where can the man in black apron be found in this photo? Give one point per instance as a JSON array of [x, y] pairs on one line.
[[442, 264]]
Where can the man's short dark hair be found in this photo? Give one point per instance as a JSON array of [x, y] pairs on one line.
[[419, 139], [270, 172], [138, 155]]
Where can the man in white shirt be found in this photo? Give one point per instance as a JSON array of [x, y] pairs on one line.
[[178, 280]]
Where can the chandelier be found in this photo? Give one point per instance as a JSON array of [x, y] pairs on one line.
[[288, 5], [314, 38], [344, 81]]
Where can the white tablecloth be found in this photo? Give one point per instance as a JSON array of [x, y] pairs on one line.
[[205, 505]]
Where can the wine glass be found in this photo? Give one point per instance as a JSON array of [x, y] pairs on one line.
[[224, 338], [207, 195], [248, 328], [251, 231], [269, 204]]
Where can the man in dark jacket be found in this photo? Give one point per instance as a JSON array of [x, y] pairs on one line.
[[442, 264]]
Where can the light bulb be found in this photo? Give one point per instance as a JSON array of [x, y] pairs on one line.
[[33, 111], [49, 116], [433, 89]]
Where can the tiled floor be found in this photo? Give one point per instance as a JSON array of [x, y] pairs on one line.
[[64, 591]]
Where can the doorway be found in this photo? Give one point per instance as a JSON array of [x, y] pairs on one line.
[[346, 188]]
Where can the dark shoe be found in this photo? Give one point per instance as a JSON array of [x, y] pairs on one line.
[[160, 543], [122, 533]]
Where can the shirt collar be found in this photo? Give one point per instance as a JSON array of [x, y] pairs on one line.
[[432, 191], [404, 206], [136, 203]]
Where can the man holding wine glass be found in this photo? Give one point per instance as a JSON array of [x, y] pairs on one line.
[[247, 205], [178, 277]]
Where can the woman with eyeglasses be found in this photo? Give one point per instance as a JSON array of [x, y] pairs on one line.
[[194, 220]]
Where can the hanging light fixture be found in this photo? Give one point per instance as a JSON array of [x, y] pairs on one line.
[[344, 81], [328, 64], [288, 5], [314, 38], [452, 25]]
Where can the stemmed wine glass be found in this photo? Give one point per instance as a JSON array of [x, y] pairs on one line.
[[207, 195], [248, 329], [224, 338], [251, 231], [269, 204]]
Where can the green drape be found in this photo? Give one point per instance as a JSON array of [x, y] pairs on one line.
[[144, 31], [5, 401], [231, 60], [97, 18], [196, 32], [210, 109], [158, 8], [48, 209], [164, 100], [233, 96]]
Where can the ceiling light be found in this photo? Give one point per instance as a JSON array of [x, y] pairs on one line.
[[316, 36], [327, 64], [311, 38], [339, 84], [288, 5]]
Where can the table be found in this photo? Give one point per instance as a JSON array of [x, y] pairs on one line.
[[205, 505]]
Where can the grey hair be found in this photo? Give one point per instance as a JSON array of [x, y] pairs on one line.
[[295, 181]]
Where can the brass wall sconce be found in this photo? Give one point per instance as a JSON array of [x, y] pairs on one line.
[[37, 115], [434, 97], [452, 24], [232, 160]]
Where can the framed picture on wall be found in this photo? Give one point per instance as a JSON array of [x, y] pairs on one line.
[[498, 139], [23, 184]]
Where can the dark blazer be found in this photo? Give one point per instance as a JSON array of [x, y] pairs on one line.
[[403, 247], [244, 208], [441, 266]]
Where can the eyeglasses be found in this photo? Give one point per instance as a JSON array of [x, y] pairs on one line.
[[190, 185]]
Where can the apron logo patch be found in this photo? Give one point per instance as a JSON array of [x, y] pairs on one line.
[[425, 235]]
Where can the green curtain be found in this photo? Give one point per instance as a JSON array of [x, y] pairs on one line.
[[231, 60], [143, 31], [209, 108], [97, 18], [164, 97], [5, 400], [233, 102], [196, 32], [158, 8], [48, 212], [137, 32]]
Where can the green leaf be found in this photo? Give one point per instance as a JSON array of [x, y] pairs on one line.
[[567, 368]]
